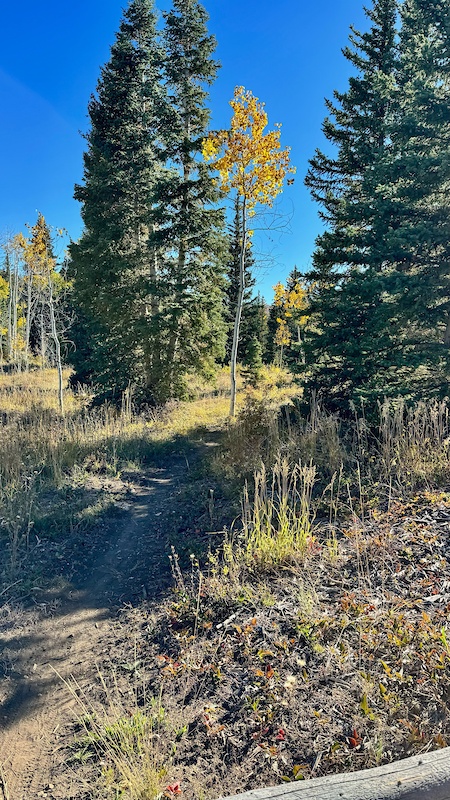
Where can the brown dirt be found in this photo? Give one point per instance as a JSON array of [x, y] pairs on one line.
[[336, 664], [65, 634]]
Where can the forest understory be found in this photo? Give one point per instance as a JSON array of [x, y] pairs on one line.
[[178, 619]]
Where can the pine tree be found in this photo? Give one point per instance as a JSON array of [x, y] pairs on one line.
[[191, 327], [113, 263], [257, 324], [350, 340]]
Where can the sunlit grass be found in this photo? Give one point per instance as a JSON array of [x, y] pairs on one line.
[[41, 449]]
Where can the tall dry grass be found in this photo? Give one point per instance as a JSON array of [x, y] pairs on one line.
[[40, 449], [407, 448], [278, 518]]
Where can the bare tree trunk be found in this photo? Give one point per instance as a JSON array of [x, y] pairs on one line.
[[10, 316], [240, 302], [15, 302], [28, 319], [302, 349], [55, 337], [154, 278], [43, 340]]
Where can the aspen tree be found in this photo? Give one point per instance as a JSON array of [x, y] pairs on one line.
[[251, 162]]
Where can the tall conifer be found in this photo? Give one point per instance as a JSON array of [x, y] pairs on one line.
[[113, 263], [418, 280], [349, 338], [191, 230]]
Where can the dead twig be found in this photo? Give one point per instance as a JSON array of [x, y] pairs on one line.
[[11, 585]]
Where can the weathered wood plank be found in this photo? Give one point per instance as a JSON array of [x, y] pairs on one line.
[[424, 777]]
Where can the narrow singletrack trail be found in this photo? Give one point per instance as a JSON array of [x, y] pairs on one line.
[[62, 638]]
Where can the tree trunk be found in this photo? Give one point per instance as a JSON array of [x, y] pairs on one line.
[[55, 337], [237, 319], [43, 341], [10, 315], [28, 319], [302, 349], [15, 302]]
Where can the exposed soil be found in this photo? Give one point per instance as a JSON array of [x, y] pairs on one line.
[[337, 663], [66, 632]]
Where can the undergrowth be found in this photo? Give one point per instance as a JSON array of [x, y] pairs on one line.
[[310, 637], [314, 639]]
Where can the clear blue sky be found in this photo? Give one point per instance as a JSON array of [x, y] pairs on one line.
[[288, 53]]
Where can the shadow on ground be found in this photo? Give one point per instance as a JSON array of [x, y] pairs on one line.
[[120, 558]]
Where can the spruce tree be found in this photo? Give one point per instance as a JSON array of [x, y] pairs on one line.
[[418, 279], [350, 339], [270, 349], [112, 264], [190, 233]]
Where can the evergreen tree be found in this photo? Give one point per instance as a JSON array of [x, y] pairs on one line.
[[191, 327], [270, 349], [254, 334], [259, 317], [252, 363], [350, 340], [113, 263], [417, 281]]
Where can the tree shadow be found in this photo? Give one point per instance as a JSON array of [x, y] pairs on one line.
[[90, 571]]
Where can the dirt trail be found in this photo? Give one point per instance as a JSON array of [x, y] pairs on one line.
[[67, 634]]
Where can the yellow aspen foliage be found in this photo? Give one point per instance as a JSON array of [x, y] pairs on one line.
[[4, 289], [283, 336], [291, 303], [36, 254], [292, 300], [250, 161], [247, 158]]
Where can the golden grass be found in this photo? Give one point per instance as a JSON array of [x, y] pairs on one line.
[[22, 392], [41, 449]]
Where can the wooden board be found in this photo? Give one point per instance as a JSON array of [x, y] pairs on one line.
[[424, 777]]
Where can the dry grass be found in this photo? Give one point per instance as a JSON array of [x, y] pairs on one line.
[[277, 524], [314, 639], [43, 451], [123, 734]]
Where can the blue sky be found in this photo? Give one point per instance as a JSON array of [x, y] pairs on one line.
[[288, 53]]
